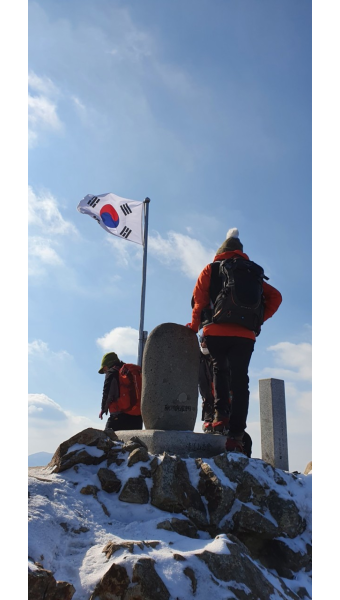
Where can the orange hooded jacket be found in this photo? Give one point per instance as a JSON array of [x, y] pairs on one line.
[[201, 300]]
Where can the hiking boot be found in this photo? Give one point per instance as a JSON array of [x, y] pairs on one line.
[[234, 444], [247, 444], [220, 423], [207, 427]]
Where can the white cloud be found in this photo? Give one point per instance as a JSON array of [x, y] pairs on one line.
[[41, 248], [292, 364], [182, 252], [296, 357], [44, 85], [49, 424], [37, 347], [122, 340], [42, 407], [44, 213], [40, 349], [42, 109]]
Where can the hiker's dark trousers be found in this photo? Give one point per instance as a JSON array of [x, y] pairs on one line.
[[124, 422], [230, 358]]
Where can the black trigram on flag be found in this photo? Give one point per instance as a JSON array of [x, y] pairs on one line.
[[93, 201], [126, 209], [125, 232]]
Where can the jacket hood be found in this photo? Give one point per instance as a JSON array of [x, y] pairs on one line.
[[231, 254]]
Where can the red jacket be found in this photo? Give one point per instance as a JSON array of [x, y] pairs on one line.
[[201, 299]]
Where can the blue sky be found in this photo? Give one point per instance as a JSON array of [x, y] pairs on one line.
[[205, 107]]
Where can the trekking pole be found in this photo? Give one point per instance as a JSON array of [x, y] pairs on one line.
[[142, 305]]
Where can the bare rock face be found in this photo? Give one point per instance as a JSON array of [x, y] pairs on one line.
[[109, 481], [116, 585], [113, 584], [172, 490], [43, 586], [248, 520], [279, 556], [220, 498], [170, 378], [138, 455], [190, 573], [112, 547], [89, 490], [286, 514], [148, 584], [102, 440], [135, 491], [232, 469], [238, 566], [181, 526]]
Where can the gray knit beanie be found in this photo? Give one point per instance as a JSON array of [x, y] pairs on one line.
[[232, 242]]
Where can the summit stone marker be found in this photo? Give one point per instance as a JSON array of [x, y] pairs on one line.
[[170, 378], [170, 396], [274, 442]]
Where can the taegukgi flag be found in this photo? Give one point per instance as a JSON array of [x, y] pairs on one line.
[[116, 215]]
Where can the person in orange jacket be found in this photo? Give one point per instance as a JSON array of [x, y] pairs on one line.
[[230, 345]]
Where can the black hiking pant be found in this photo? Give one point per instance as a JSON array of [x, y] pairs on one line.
[[124, 422], [230, 359]]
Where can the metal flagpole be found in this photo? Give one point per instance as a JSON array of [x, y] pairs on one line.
[[142, 304]]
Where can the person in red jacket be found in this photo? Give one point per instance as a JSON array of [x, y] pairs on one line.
[[230, 346], [119, 419]]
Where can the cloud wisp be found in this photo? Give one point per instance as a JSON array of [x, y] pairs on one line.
[[46, 220], [292, 364], [43, 212], [39, 349], [42, 108], [295, 359], [181, 252]]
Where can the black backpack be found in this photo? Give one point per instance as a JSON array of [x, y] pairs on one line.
[[236, 293]]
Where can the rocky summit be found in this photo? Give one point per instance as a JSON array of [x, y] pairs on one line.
[[110, 521]]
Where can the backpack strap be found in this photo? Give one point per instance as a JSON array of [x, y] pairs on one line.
[[226, 273]]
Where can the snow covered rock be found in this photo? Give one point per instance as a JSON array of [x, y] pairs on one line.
[[98, 444], [166, 528]]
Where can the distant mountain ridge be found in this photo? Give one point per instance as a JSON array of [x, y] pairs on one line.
[[39, 459]]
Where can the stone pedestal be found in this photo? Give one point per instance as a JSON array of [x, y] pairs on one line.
[[185, 444], [170, 378], [274, 441]]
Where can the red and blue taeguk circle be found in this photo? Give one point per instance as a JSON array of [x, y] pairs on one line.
[[109, 216]]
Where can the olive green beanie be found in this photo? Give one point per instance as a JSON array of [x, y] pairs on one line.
[[108, 360]]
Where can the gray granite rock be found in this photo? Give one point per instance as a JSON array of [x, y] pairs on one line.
[[182, 443], [109, 481], [172, 490], [135, 491], [180, 526], [138, 455], [148, 584], [170, 378]]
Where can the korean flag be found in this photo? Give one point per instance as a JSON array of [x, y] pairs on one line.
[[116, 215]]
